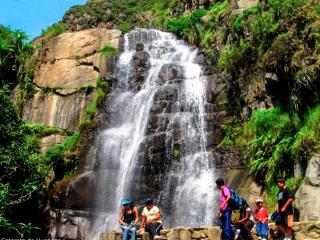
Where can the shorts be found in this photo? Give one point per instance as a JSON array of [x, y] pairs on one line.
[[286, 220]]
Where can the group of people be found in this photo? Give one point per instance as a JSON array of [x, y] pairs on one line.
[[151, 220], [129, 216], [283, 214]]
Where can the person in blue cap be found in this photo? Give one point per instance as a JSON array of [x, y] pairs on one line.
[[128, 219], [151, 219]]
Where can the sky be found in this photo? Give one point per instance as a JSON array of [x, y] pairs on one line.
[[32, 16]]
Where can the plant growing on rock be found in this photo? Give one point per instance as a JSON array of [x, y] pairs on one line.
[[108, 50]]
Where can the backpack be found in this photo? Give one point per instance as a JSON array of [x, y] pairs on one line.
[[235, 202]]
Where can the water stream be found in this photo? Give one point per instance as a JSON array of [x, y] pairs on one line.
[[163, 82]]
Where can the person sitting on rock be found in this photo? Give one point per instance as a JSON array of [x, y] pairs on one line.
[[128, 219], [151, 221], [246, 222]]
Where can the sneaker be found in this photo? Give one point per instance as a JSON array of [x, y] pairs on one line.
[[157, 237], [236, 235]]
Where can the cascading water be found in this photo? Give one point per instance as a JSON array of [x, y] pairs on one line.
[[158, 101]]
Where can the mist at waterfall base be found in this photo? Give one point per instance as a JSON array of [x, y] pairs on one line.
[[157, 101]]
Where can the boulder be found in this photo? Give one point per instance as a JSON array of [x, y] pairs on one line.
[[306, 199], [75, 193]]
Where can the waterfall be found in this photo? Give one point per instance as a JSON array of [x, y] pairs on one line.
[[156, 139]]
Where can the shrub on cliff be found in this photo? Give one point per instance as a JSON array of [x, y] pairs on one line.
[[269, 135], [22, 171], [53, 30]]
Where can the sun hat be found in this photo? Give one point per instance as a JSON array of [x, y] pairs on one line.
[[148, 200], [126, 201], [259, 200]]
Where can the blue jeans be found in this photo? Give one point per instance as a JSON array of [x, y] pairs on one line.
[[262, 229], [226, 224], [126, 230]]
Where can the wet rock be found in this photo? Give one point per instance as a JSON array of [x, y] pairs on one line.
[[170, 72], [141, 65]]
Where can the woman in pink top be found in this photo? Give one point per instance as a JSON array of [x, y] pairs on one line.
[[225, 211]]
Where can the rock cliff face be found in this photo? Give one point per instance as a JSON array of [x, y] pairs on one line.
[[66, 72]]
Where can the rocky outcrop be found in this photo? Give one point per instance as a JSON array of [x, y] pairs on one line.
[[302, 231], [71, 60], [75, 193], [48, 141], [245, 3], [307, 196], [68, 224], [55, 110], [66, 73]]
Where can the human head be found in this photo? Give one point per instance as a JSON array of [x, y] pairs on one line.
[[281, 183], [149, 202], [127, 203], [259, 202], [219, 182]]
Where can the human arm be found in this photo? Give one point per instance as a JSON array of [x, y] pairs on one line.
[[289, 202], [143, 221], [246, 217], [155, 217], [121, 219], [136, 216], [276, 209], [227, 198], [256, 218], [266, 216]]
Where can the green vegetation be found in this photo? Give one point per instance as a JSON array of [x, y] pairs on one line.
[[101, 91], [53, 30], [188, 27], [275, 140], [307, 137], [125, 15], [23, 171], [270, 135], [108, 50], [176, 153]]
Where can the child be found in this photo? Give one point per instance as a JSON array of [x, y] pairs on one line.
[[261, 217]]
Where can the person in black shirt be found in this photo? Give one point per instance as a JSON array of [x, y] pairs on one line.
[[285, 209], [128, 219]]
